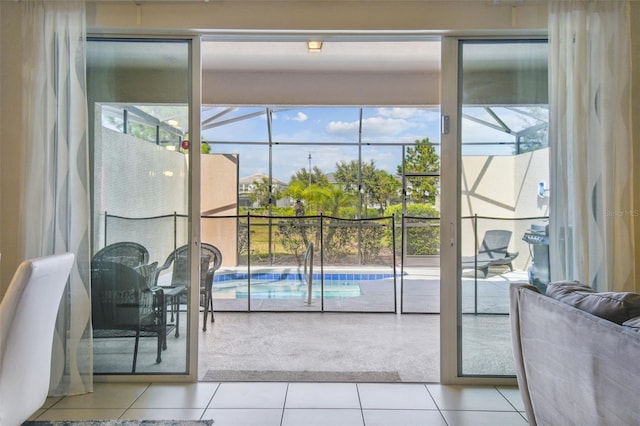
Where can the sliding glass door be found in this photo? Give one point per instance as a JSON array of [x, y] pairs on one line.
[[496, 135], [140, 97]]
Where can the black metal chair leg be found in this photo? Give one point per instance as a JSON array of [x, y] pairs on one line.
[[135, 351], [159, 348], [206, 311], [163, 327], [212, 317], [208, 302], [176, 304]]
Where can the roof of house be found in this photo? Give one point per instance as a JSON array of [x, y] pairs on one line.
[[248, 180]]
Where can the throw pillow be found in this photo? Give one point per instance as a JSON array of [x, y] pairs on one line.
[[613, 306], [633, 323]]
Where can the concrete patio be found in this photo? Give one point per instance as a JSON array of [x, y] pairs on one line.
[[306, 344]]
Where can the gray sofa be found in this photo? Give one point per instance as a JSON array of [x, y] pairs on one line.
[[577, 354]]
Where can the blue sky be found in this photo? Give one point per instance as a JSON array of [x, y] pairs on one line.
[[319, 129], [300, 132]]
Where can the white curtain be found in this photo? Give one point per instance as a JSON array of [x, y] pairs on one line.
[[55, 209], [590, 143]]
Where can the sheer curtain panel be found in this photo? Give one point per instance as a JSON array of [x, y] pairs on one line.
[[590, 143], [55, 209]]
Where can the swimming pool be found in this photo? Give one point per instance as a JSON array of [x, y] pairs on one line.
[[291, 285]]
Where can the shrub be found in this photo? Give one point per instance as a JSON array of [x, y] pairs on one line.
[[423, 233], [293, 237]]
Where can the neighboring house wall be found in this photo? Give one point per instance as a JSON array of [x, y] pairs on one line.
[[219, 197], [248, 185]]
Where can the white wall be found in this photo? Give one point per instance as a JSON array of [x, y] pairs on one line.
[[138, 179], [504, 187], [12, 150], [346, 15], [320, 88]]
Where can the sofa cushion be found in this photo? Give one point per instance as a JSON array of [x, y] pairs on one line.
[[633, 323], [613, 306]]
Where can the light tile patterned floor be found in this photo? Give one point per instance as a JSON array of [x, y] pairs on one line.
[[294, 404]]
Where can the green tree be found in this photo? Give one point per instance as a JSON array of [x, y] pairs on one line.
[[383, 189], [261, 195], [346, 175], [378, 186], [304, 178], [421, 158], [305, 186], [327, 199], [295, 189], [331, 198]]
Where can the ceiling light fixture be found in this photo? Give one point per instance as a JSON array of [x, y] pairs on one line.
[[314, 46]]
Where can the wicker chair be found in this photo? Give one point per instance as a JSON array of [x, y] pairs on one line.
[[210, 261], [125, 252], [123, 305]]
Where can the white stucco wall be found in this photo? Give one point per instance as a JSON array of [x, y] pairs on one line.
[[503, 187], [138, 179]]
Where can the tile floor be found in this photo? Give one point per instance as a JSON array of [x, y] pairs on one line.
[[299, 404]]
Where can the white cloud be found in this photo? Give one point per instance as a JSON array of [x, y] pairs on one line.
[[372, 126], [421, 114], [301, 116], [399, 112], [342, 127], [386, 126], [387, 122]]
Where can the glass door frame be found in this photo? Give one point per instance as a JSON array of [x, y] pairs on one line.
[[194, 227], [195, 208], [450, 239], [449, 213]]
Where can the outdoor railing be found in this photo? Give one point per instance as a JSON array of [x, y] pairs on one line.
[[266, 246], [308, 252], [488, 295]]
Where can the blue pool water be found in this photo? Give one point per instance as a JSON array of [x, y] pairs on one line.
[[288, 285]]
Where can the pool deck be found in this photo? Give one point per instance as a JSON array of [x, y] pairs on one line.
[[247, 346], [417, 290]]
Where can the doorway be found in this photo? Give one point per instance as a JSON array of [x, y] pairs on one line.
[[303, 125]]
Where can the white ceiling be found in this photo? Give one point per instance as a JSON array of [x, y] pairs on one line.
[[383, 56]]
